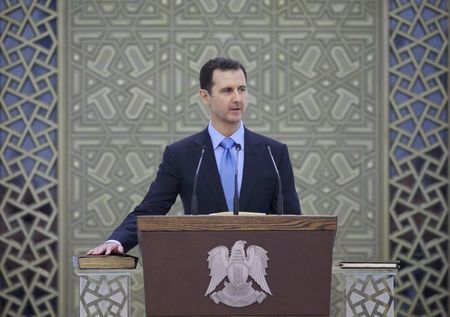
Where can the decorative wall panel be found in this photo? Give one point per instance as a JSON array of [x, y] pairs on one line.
[[369, 294], [418, 154], [130, 73], [29, 232], [132, 88], [104, 295]]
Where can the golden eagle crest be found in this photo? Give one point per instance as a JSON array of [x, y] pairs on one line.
[[238, 267]]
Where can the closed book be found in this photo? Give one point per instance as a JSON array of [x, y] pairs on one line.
[[105, 262], [370, 264]]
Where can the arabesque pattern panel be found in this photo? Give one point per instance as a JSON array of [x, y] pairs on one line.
[[132, 88], [418, 155], [29, 231], [130, 73], [104, 295]]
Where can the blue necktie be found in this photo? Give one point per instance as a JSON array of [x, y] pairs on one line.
[[227, 170]]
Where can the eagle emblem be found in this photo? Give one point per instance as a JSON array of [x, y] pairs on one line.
[[238, 267]]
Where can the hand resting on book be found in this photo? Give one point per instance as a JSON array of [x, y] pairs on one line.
[[107, 248]]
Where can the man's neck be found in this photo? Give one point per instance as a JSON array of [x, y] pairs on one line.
[[226, 130]]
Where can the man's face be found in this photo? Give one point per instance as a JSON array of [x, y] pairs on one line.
[[227, 100]]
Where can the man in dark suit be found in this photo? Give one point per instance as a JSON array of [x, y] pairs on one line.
[[223, 89]]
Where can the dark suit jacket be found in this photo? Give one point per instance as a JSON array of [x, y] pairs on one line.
[[176, 176]]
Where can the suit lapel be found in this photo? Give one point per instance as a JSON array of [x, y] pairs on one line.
[[208, 173], [252, 164]]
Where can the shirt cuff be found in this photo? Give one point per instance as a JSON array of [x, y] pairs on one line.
[[113, 241]]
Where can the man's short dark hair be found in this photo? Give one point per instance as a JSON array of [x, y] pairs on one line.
[[222, 63]]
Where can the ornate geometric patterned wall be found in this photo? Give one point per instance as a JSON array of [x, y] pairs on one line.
[[418, 154], [368, 294], [130, 72], [132, 88], [28, 159], [104, 295]]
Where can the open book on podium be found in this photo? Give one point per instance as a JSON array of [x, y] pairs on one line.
[[246, 265]]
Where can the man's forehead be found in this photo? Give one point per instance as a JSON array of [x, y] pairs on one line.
[[228, 76]]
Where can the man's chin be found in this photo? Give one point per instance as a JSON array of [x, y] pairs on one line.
[[234, 122], [235, 117]]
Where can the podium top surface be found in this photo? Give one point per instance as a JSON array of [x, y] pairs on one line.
[[237, 223]]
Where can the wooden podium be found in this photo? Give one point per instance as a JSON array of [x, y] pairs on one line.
[[176, 273]]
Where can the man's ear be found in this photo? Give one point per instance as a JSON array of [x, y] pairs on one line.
[[205, 96]]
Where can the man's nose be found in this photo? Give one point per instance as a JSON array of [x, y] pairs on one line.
[[236, 95]]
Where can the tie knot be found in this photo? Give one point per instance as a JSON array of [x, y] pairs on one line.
[[227, 143]]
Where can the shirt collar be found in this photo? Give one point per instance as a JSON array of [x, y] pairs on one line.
[[217, 137]]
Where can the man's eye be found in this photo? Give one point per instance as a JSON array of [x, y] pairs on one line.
[[227, 91], [242, 89]]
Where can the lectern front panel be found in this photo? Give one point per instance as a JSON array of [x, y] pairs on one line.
[[177, 275]]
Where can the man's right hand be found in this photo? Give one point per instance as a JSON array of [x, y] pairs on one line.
[[107, 248]]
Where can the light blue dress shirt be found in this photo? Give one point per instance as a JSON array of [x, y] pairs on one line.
[[238, 137]]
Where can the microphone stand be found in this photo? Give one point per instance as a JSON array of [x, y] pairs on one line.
[[194, 202], [280, 192]]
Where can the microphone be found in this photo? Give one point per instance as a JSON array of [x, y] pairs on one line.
[[280, 192], [236, 189], [194, 202]]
